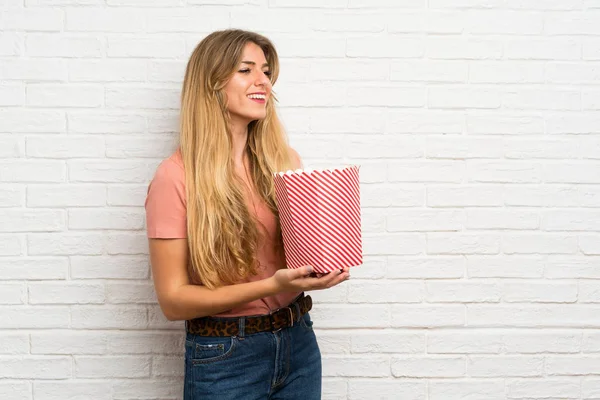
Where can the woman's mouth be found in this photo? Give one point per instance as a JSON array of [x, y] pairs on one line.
[[258, 97]]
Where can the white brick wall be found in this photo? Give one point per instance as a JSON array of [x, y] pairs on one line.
[[477, 126]]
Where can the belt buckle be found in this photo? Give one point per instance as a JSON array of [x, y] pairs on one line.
[[291, 316]]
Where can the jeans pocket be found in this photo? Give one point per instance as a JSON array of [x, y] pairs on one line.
[[306, 322], [204, 350]]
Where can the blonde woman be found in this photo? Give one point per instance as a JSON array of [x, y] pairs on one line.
[[215, 241]]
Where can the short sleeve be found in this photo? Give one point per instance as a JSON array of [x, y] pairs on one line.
[[166, 203]]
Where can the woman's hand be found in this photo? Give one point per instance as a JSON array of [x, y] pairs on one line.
[[301, 279]]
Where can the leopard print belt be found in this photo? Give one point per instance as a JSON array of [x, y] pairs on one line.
[[282, 318]]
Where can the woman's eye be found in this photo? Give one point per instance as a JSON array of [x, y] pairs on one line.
[[243, 71], [268, 73]]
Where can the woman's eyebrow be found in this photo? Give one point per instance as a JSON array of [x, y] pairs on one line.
[[253, 63]]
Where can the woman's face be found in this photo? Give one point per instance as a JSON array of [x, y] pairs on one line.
[[249, 88]]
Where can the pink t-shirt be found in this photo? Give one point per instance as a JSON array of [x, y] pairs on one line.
[[166, 219]]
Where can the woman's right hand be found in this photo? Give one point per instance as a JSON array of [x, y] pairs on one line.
[[300, 279]]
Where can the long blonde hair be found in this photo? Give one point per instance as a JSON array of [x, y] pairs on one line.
[[222, 233]]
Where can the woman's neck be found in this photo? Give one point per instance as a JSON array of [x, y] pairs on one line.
[[239, 137]]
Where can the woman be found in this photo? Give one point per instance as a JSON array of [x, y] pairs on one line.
[[215, 240]]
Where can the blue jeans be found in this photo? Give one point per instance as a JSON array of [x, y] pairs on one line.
[[262, 366]]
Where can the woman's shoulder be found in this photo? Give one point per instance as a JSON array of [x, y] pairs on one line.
[[296, 159], [171, 168]]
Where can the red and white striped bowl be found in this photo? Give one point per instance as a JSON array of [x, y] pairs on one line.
[[320, 218]]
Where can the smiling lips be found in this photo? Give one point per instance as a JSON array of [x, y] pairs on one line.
[[258, 97]]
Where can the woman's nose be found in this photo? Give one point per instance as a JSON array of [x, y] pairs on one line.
[[262, 79]]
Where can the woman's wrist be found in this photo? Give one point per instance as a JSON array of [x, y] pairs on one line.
[[272, 287]]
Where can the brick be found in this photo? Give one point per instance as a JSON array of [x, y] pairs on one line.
[[53, 95], [109, 267], [459, 292], [463, 148], [349, 366], [499, 124], [15, 220], [463, 243], [464, 196], [538, 316], [148, 46], [543, 387], [107, 70], [127, 244], [65, 244], [88, 121], [12, 195], [32, 171], [32, 20], [428, 267], [424, 220], [129, 293], [426, 171], [385, 292], [68, 342], [386, 47], [103, 317], [104, 20], [488, 218], [63, 45], [501, 366], [503, 171], [429, 71], [12, 94], [111, 367], [29, 367], [11, 245], [427, 316], [432, 121], [13, 293], [166, 343], [470, 389], [33, 268], [539, 243], [145, 389], [445, 48], [126, 195], [386, 389], [460, 97], [56, 390], [108, 218], [517, 72], [569, 267], [167, 366], [142, 97], [393, 244], [549, 48], [65, 293], [540, 292], [16, 390], [110, 171], [12, 317], [13, 344], [66, 195], [375, 342], [430, 367], [351, 316]]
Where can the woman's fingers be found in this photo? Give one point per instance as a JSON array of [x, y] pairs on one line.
[[331, 279]]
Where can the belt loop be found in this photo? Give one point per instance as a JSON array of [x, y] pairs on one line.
[[297, 306], [241, 327]]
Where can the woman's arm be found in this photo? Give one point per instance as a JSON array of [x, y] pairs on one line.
[[180, 300]]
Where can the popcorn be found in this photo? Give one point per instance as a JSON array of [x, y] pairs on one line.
[[320, 216]]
